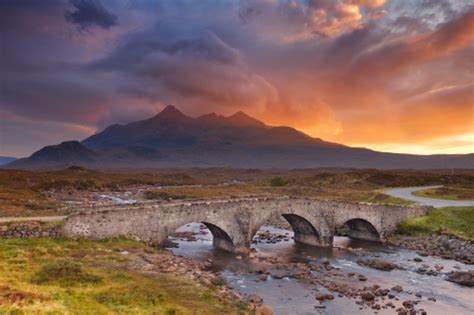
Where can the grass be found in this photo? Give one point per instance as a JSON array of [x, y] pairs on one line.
[[447, 193], [458, 221], [42, 276], [65, 273]]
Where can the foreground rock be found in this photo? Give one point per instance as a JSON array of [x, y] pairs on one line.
[[465, 278], [263, 310]]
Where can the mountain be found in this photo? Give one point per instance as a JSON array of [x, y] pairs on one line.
[[172, 139], [6, 159], [65, 153]]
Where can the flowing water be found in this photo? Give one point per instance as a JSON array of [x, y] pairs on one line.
[[293, 296]]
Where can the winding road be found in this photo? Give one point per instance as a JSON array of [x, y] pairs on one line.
[[407, 193]]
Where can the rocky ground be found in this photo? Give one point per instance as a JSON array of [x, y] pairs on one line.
[[167, 262], [441, 245]]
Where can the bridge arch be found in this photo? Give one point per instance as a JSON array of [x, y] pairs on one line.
[[359, 228], [303, 226], [224, 233], [304, 231]]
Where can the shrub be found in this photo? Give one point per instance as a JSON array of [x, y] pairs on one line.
[[64, 272], [278, 181], [218, 281]]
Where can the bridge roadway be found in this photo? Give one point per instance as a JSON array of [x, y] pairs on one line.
[[234, 222]]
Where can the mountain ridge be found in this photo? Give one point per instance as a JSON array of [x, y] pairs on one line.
[[173, 139]]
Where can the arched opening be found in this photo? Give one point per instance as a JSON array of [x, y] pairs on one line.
[[283, 228], [220, 238], [304, 231], [201, 232], [360, 229]]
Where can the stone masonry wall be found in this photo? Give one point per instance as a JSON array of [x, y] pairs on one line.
[[30, 230]]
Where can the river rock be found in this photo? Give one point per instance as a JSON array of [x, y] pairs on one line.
[[263, 310], [320, 297], [279, 274], [397, 288], [254, 298], [325, 261], [377, 264], [367, 296], [465, 278], [362, 278]]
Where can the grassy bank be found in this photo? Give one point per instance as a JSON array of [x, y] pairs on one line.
[[458, 221], [447, 193], [41, 276]]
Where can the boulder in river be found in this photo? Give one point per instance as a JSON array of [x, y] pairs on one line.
[[263, 310], [378, 264], [397, 288], [279, 274], [465, 278], [367, 296], [255, 299]]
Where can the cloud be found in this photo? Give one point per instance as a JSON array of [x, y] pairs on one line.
[[87, 13], [293, 20], [194, 71]]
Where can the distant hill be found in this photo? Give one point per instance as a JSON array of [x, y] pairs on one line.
[[172, 139], [63, 154], [6, 159]]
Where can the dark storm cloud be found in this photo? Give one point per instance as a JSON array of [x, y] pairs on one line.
[[87, 13], [195, 70]]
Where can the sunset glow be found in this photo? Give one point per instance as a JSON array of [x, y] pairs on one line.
[[394, 76]]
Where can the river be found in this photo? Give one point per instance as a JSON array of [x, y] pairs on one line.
[[297, 296]]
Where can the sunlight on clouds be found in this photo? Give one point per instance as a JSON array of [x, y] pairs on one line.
[[458, 144]]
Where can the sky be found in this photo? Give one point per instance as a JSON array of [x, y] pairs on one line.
[[394, 76]]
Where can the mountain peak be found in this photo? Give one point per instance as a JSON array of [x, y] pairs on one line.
[[170, 112]]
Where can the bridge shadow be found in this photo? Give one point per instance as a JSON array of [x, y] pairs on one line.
[[358, 229]]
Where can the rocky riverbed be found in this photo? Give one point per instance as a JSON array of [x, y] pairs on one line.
[[356, 278], [440, 245]]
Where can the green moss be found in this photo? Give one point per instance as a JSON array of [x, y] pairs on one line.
[[458, 221]]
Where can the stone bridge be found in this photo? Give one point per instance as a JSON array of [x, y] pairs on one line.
[[233, 223]]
